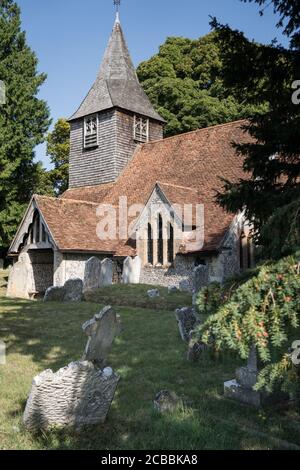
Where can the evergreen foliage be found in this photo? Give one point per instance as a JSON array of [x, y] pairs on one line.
[[270, 194], [263, 311], [58, 148], [24, 119]]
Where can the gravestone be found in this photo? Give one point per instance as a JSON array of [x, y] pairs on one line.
[[153, 293], [200, 278], [73, 290], [132, 270], [241, 388], [80, 394], [187, 321], [20, 280], [1, 263], [166, 401], [54, 294], [101, 330], [92, 274], [106, 273], [195, 348], [76, 396]]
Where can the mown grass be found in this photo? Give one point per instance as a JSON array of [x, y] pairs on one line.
[[150, 357], [136, 296]]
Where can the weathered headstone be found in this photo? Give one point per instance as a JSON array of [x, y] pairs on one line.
[[195, 348], [166, 401], [187, 321], [241, 388], [54, 294], [200, 278], [76, 396], [92, 274], [80, 394], [184, 286], [132, 270], [1, 263], [106, 273], [21, 281], [153, 293], [73, 290], [101, 330]]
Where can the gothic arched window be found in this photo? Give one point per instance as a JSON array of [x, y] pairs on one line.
[[150, 244], [160, 241], [170, 243]]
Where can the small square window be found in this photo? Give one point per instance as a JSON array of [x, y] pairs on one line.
[[91, 131], [141, 129]]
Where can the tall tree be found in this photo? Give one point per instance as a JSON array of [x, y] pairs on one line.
[[271, 195], [24, 119], [184, 83], [58, 148]]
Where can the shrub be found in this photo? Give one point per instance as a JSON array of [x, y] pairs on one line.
[[263, 310]]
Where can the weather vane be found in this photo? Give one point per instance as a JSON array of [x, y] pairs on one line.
[[117, 4]]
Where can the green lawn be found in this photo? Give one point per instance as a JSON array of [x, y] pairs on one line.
[[149, 356]]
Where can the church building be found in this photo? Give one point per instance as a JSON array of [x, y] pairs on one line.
[[118, 157]]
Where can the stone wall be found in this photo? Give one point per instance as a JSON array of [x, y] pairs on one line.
[[179, 275], [227, 264], [42, 266], [70, 266]]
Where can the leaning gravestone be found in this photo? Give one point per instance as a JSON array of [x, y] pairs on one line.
[[187, 320], [132, 270], [92, 274], [80, 394], [106, 273], [101, 330]]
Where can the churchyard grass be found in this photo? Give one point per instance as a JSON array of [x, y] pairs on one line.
[[150, 357], [136, 296]]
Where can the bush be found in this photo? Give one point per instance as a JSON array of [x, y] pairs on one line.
[[263, 310]]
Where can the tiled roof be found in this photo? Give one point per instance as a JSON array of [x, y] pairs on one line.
[[188, 168], [88, 193], [117, 84]]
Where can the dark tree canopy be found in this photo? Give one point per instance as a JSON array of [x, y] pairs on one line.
[[263, 74], [184, 82], [58, 148], [24, 119]]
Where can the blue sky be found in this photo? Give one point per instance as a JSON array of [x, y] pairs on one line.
[[69, 37]]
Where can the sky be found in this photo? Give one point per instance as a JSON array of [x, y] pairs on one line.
[[70, 36]]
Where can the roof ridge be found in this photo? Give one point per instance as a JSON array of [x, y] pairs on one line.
[[202, 129], [65, 199]]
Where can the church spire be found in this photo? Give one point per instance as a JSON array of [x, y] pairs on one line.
[[117, 84]]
